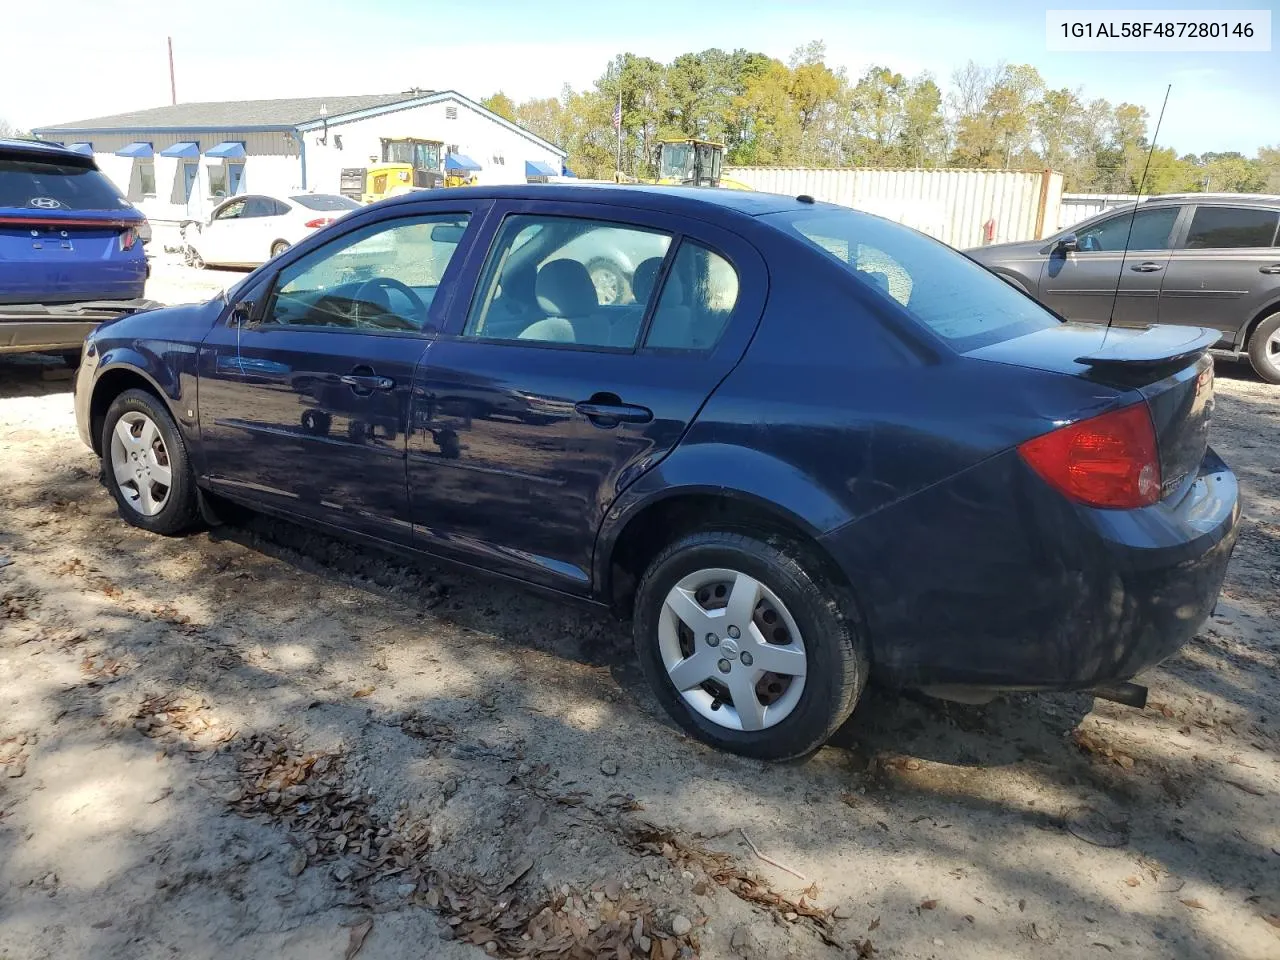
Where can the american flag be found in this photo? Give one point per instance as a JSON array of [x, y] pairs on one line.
[[617, 115]]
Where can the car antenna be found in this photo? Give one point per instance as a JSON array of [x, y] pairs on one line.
[[1115, 297]]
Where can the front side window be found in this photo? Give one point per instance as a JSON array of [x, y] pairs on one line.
[[41, 185], [567, 280], [231, 211], [938, 287], [1232, 227], [381, 278], [1151, 229], [699, 294]]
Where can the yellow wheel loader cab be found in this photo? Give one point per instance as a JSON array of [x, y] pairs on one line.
[[694, 162]]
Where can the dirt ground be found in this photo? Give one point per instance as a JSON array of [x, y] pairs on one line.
[[258, 742]]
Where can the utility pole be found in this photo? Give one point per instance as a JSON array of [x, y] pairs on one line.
[[173, 87]]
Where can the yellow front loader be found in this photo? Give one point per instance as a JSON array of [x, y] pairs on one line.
[[689, 162]]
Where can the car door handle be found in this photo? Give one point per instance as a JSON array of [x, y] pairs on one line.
[[1147, 267], [1270, 268], [357, 382], [610, 414]]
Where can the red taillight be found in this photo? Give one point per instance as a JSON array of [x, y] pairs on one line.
[[128, 238], [320, 222], [1107, 461]]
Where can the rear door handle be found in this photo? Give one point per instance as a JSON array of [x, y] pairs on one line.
[[1147, 267], [357, 382], [1270, 268], [611, 414]]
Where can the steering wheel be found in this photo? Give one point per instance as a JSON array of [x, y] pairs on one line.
[[390, 283]]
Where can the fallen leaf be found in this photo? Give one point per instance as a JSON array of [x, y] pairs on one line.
[[873, 924], [357, 938], [363, 692], [1132, 881], [929, 905], [1194, 904]]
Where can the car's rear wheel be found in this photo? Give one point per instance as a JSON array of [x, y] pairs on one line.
[[279, 247], [146, 465], [747, 645], [1264, 349], [610, 283]]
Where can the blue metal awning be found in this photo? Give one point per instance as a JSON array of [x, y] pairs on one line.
[[460, 161], [186, 149], [227, 150], [85, 148], [536, 168], [139, 150]]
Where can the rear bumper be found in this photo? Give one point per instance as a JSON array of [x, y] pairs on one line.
[[959, 589], [33, 328]]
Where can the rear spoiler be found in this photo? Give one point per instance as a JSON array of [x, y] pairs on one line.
[[1159, 345]]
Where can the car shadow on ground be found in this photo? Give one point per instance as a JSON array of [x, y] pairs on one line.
[[34, 375]]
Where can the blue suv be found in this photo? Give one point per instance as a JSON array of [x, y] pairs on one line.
[[71, 249]]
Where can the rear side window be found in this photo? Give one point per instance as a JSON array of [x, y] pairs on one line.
[[957, 299], [700, 292], [325, 201], [40, 185], [1227, 227]]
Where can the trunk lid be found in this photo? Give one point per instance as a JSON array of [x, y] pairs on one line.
[[1168, 366], [57, 257]]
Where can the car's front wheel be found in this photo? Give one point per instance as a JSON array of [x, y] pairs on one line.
[[1264, 349], [279, 247], [146, 466], [747, 645]]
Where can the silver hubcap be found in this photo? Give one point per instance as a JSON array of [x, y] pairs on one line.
[[608, 286], [140, 463], [1273, 347], [732, 649]]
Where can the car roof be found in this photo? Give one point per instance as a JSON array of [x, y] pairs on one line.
[[692, 201], [41, 149], [1230, 199]]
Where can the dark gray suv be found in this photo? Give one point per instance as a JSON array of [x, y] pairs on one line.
[[1205, 260]]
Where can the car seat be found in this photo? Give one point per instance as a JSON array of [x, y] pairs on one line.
[[568, 298]]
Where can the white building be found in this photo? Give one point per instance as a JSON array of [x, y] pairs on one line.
[[177, 162]]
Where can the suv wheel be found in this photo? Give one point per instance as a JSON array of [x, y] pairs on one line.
[[1264, 349], [146, 466], [745, 647]]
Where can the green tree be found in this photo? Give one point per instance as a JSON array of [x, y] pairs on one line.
[[500, 104], [770, 133]]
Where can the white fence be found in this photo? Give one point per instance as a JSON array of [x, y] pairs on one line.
[[958, 207], [1081, 206]]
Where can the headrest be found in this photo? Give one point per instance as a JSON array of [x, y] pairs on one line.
[[565, 289]]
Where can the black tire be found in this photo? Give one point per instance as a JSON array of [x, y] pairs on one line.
[[837, 664], [71, 358], [1265, 362], [181, 512]]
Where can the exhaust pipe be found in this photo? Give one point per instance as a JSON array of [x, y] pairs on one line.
[[1130, 694]]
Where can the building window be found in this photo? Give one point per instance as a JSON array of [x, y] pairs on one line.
[[147, 178], [450, 112], [218, 180]]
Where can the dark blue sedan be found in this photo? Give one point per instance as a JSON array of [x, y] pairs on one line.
[[798, 445]]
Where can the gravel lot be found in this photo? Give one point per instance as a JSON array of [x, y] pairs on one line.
[[256, 742]]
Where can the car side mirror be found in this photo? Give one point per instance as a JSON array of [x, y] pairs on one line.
[[241, 313], [1068, 244]]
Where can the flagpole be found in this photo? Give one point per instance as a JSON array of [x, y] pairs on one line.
[[618, 114]]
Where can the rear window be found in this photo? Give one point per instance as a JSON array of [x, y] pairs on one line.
[[957, 299], [1226, 227], [325, 201], [40, 185]]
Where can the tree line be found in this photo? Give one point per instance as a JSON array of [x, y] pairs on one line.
[[805, 113]]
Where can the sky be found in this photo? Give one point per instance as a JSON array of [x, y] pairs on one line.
[[282, 48]]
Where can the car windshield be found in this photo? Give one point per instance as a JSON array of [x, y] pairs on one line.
[[957, 299], [325, 201], [41, 185]]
